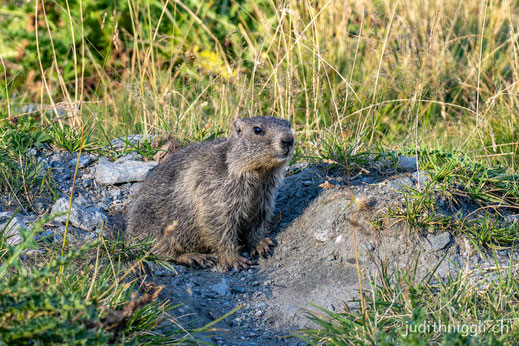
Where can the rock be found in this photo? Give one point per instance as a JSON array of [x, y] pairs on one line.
[[421, 178], [238, 289], [42, 205], [406, 163], [400, 183], [222, 288], [87, 183], [10, 227], [366, 247], [115, 194], [107, 173], [81, 200], [133, 156], [322, 234], [436, 242], [79, 217], [87, 176], [511, 219], [84, 161], [129, 141]]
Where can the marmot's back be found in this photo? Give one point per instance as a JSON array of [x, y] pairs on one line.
[[204, 201]]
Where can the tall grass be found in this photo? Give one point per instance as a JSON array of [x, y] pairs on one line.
[[362, 72]]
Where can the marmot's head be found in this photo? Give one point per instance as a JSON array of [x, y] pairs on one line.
[[261, 143]]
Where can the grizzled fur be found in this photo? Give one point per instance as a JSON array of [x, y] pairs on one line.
[[204, 202]]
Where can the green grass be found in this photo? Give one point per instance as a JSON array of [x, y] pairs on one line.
[[51, 298], [378, 73], [464, 197]]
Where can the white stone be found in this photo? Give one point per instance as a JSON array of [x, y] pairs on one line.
[[109, 173]]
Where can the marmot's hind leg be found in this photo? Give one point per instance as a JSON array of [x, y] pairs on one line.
[[197, 259]]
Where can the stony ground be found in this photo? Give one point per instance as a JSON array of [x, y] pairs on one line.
[[318, 209]]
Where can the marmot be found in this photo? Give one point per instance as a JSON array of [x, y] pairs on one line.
[[206, 201]]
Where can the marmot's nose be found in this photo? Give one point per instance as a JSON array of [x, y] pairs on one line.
[[287, 140]]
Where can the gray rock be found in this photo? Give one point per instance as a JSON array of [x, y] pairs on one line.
[[400, 183], [79, 217], [115, 194], [323, 234], [129, 141], [238, 289], [84, 161], [10, 227], [81, 200], [421, 178], [88, 183], [512, 219], [133, 156], [222, 288], [107, 173], [87, 176], [406, 163], [436, 242]]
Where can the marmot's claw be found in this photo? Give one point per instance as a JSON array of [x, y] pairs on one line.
[[235, 262], [196, 259], [263, 248]]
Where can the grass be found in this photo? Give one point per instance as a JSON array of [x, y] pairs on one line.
[[366, 75], [476, 307], [359, 80], [464, 197], [87, 302]]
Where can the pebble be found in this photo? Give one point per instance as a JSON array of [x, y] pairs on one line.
[[88, 183], [406, 163], [133, 156], [84, 161], [436, 242], [222, 288]]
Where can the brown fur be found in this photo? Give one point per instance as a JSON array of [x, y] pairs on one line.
[[205, 201]]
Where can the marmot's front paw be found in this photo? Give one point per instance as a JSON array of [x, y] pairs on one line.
[[234, 262], [263, 248]]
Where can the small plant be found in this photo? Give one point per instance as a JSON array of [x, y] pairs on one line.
[[22, 175], [65, 299], [72, 139]]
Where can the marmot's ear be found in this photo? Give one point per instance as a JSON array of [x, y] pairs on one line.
[[236, 125]]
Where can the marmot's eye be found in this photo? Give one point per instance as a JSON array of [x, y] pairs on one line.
[[258, 130]]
